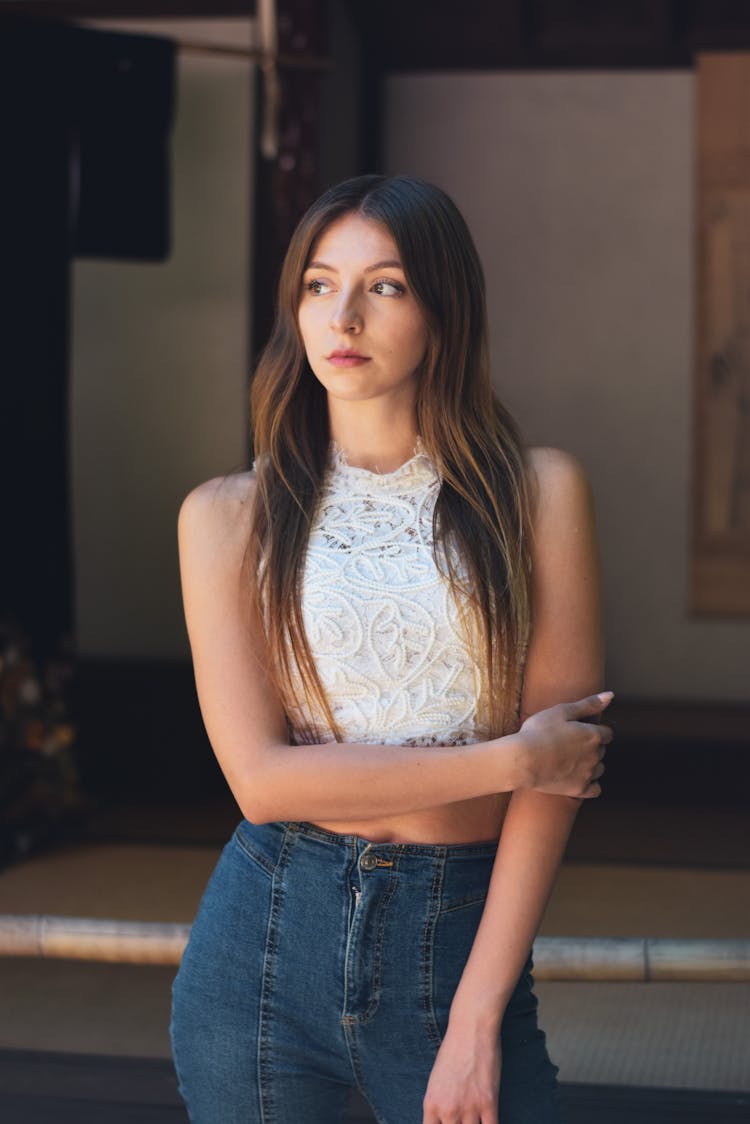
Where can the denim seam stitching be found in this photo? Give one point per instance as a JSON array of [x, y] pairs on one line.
[[375, 983], [267, 1113], [347, 1019], [350, 1038], [428, 949], [377, 972], [464, 903], [254, 856]]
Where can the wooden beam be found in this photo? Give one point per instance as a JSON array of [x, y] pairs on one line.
[[539, 34], [127, 9]]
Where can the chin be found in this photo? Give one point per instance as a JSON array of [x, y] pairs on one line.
[[348, 389]]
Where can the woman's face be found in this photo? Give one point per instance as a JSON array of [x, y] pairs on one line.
[[362, 328]]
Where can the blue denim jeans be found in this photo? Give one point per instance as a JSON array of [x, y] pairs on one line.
[[319, 962]]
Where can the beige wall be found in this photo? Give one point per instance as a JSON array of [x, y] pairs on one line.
[[578, 190], [159, 371]]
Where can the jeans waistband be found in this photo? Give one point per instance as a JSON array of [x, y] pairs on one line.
[[427, 850]]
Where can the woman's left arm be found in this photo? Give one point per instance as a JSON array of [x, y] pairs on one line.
[[564, 662]]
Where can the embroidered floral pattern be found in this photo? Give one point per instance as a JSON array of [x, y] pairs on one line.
[[382, 623]]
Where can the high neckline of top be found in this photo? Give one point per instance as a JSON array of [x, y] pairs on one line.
[[416, 464]]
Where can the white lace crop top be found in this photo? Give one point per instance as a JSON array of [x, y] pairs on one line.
[[381, 621]]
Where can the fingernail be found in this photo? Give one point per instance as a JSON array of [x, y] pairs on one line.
[[606, 696]]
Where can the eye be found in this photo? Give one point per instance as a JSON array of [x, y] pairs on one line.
[[388, 288], [317, 287]]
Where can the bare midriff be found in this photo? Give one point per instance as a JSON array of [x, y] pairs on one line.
[[466, 821]]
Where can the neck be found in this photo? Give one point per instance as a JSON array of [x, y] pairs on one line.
[[378, 443]]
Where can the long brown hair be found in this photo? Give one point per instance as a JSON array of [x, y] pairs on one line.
[[481, 516]]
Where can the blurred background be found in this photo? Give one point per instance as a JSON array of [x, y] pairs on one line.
[[156, 158]]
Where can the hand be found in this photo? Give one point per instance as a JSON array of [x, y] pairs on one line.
[[564, 752], [464, 1085]]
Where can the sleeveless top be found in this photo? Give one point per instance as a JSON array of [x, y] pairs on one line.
[[382, 623]]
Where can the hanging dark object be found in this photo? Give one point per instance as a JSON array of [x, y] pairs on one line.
[[122, 114], [86, 118]]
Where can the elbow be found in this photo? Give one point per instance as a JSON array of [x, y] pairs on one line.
[[259, 790], [258, 802], [255, 818], [255, 809]]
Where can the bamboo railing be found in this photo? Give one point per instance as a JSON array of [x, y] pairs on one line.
[[84, 938], [642, 959], [639, 959]]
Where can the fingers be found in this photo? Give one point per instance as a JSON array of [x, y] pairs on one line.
[[591, 705], [487, 1116], [592, 788]]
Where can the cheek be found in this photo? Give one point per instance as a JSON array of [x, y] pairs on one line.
[[306, 325], [406, 334], [416, 326], [415, 342]]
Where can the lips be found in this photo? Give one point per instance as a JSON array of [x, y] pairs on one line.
[[347, 357]]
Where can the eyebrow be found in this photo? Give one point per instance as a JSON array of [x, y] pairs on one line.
[[388, 263]]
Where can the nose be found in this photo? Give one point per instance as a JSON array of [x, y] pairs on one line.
[[345, 316]]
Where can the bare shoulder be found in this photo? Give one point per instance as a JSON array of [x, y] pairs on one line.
[[560, 489], [554, 469], [216, 514], [221, 497]]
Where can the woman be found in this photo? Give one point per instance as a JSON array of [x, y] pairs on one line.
[[389, 617]]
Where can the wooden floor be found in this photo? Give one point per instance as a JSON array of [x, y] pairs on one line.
[[55, 1088]]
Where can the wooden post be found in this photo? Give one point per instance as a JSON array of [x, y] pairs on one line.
[[720, 571]]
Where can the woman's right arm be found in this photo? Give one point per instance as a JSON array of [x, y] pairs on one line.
[[273, 780]]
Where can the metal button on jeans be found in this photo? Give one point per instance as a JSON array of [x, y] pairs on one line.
[[368, 861]]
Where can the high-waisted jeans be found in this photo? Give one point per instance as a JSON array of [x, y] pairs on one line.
[[319, 962]]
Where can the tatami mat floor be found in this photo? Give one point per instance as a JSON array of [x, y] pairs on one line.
[[670, 1035], [147, 882], [673, 1035]]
